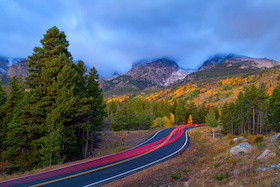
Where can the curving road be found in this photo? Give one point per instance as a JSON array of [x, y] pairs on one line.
[[163, 145]]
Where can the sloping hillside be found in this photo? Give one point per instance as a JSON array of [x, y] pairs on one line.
[[212, 91], [227, 65]]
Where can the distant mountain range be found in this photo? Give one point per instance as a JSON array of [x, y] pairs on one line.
[[149, 74]]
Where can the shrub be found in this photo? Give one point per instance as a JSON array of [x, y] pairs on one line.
[[231, 143], [258, 138], [217, 164], [226, 175], [229, 136], [261, 146], [231, 161], [186, 170], [9, 170], [250, 139], [221, 177], [175, 175], [246, 134]]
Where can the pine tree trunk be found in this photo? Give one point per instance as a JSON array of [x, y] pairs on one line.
[[50, 155], [232, 126], [254, 120], [86, 146], [261, 117], [91, 141], [83, 145]]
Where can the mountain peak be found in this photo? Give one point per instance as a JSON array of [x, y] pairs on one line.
[[218, 58], [157, 71], [161, 61]]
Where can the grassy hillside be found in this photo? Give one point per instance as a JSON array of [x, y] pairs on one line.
[[214, 90]]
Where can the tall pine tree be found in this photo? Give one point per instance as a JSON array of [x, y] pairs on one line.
[[2, 113], [274, 109]]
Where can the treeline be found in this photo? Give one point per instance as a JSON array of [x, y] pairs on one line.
[[54, 115], [253, 111], [134, 114]]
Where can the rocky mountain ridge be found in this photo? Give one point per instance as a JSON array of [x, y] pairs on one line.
[[145, 74], [17, 69], [248, 62], [163, 72], [229, 64], [5, 63]]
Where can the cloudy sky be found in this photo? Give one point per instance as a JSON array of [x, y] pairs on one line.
[[113, 34]]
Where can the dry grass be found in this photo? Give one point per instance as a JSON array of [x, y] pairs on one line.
[[207, 162]]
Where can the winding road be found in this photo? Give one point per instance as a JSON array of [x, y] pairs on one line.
[[163, 145]]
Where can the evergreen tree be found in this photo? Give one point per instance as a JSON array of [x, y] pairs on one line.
[[96, 111], [202, 113], [119, 121], [2, 112], [180, 112], [2, 95], [251, 96], [16, 92], [17, 140], [51, 105], [192, 110], [225, 118], [274, 109], [239, 112]]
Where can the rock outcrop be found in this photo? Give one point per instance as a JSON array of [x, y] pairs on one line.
[[271, 167], [275, 137], [266, 155], [241, 138], [18, 68], [241, 149], [161, 71], [244, 61]]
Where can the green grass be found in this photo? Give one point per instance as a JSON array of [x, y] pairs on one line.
[[175, 175]]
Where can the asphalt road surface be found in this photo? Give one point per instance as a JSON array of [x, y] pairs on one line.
[[163, 145]]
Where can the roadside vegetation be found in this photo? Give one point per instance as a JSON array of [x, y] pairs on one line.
[[207, 162]]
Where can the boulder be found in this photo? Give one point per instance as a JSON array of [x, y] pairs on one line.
[[266, 154], [238, 138], [274, 138], [241, 149], [186, 184], [271, 167]]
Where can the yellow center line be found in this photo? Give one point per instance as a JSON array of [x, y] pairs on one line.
[[113, 164]]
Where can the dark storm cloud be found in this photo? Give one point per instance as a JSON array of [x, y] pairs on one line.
[[113, 34]]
